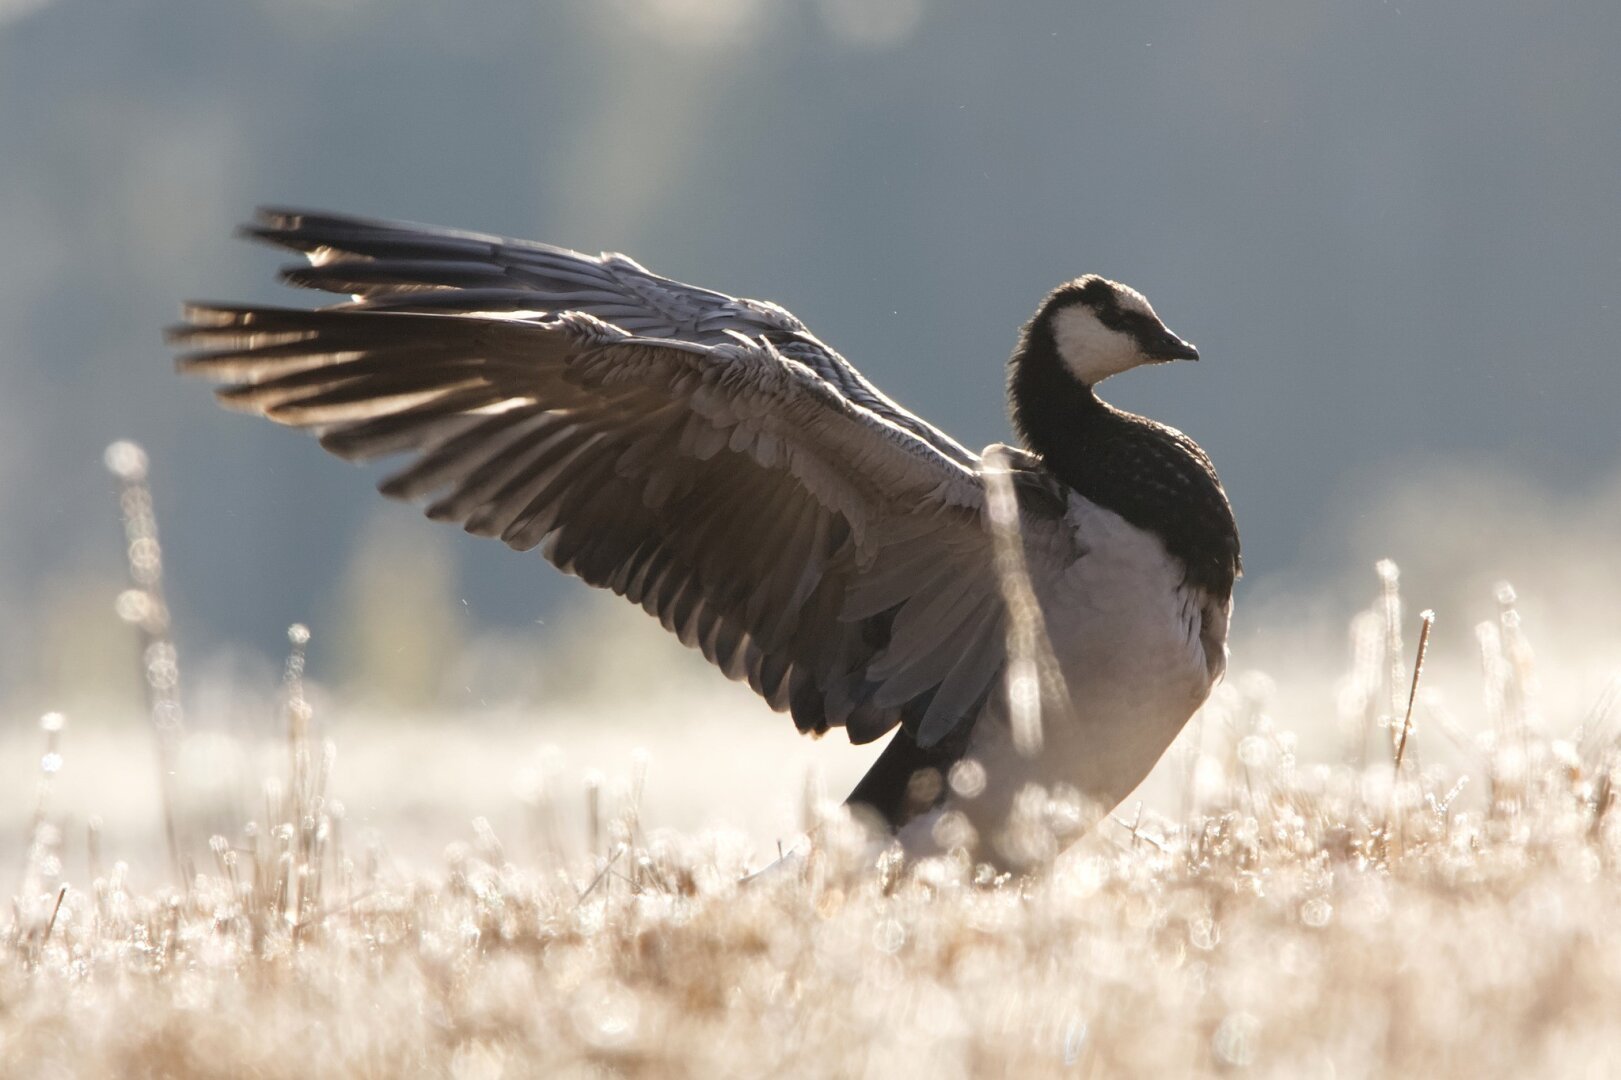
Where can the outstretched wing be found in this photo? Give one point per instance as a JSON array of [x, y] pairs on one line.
[[802, 538]]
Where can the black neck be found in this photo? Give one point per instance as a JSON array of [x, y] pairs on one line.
[[1153, 476]]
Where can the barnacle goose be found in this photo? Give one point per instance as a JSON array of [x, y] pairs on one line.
[[709, 458]]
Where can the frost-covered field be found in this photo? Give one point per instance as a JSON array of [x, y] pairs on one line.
[[360, 894], [1286, 918]]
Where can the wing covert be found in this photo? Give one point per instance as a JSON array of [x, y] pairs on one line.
[[405, 266]]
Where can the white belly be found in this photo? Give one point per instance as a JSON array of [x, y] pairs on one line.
[[1126, 633]]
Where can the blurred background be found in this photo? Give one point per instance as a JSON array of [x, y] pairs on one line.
[[1392, 228]]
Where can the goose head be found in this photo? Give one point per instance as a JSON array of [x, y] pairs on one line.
[[1097, 328]]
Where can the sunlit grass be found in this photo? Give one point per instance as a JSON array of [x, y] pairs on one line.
[[1382, 913]]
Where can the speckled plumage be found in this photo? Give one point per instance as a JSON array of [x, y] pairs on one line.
[[1150, 474]]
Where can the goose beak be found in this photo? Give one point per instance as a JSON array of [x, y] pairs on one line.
[[1174, 348]]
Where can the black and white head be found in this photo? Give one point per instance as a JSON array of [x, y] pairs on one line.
[[1100, 328]]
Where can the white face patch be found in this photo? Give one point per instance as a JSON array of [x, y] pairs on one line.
[[1090, 350]]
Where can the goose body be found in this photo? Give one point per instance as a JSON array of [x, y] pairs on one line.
[[711, 460], [1137, 659]]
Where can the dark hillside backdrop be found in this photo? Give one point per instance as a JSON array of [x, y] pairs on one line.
[[1392, 228]]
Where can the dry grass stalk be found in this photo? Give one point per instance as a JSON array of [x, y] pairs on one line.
[[1428, 622], [145, 605], [56, 909], [1034, 679]]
